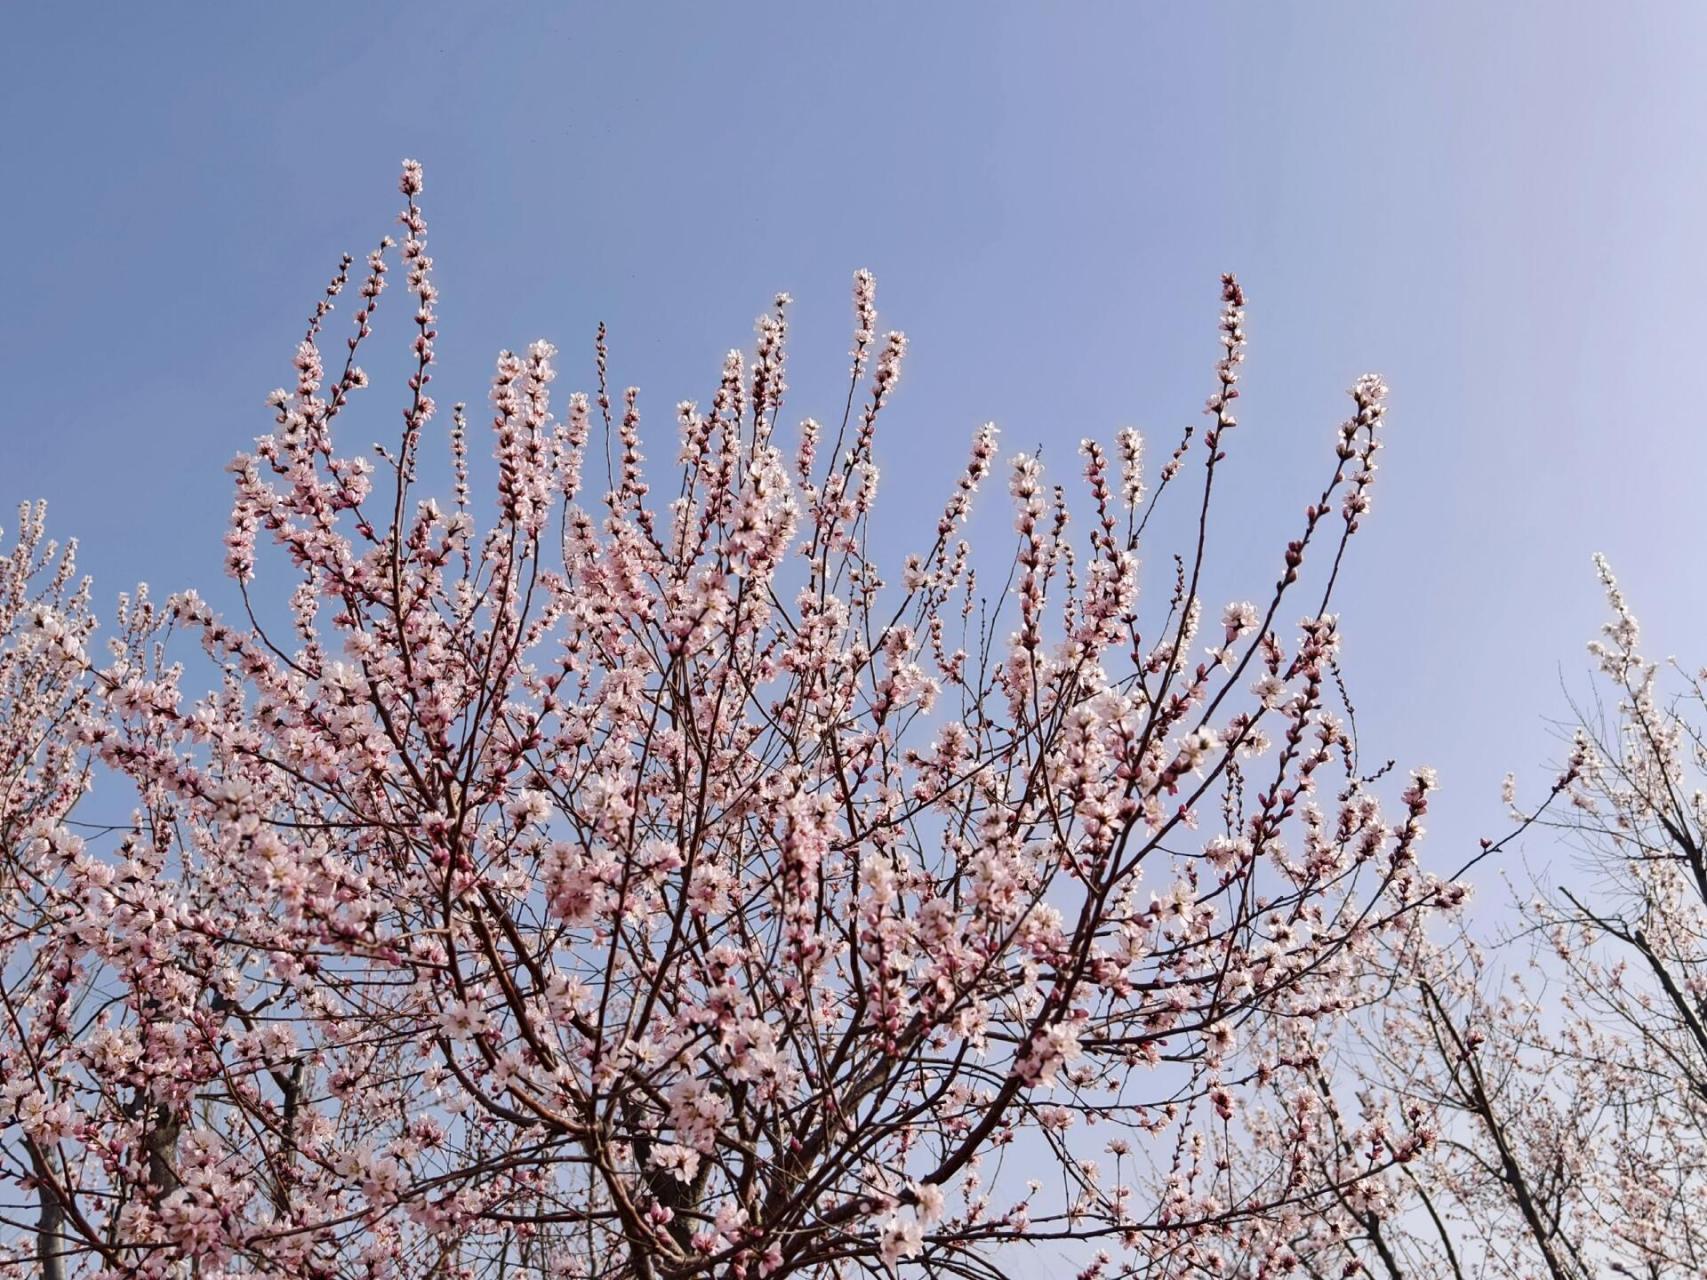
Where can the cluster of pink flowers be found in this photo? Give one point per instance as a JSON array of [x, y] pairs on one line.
[[659, 890]]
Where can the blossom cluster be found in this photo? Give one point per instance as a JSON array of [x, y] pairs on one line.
[[587, 885]]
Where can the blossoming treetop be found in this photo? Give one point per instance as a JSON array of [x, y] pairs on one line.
[[650, 884]]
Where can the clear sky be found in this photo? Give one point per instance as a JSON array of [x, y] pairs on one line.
[[1498, 206]]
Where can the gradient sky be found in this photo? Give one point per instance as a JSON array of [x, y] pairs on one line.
[[1498, 206]]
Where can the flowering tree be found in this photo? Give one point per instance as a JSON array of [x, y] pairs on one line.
[[1566, 1068], [1632, 947], [659, 888], [44, 695]]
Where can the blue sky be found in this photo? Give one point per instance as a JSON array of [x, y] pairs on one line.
[[1499, 207]]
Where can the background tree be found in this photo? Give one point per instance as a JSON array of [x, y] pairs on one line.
[[44, 695], [649, 889], [1565, 1065]]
